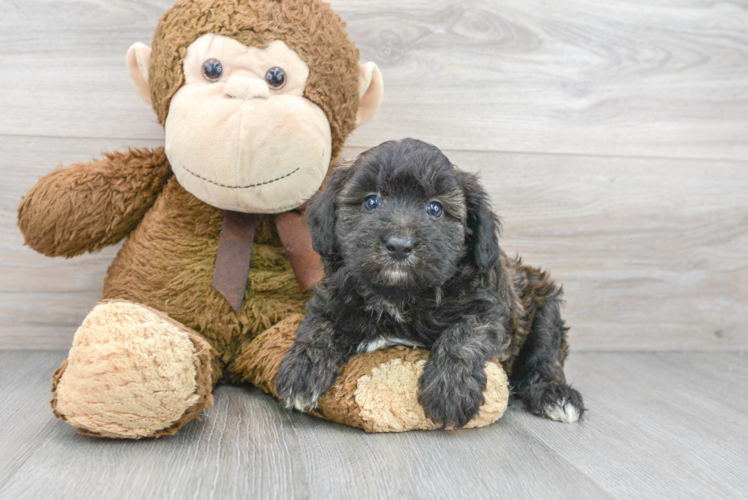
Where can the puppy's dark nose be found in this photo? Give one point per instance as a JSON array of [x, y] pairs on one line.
[[399, 248]]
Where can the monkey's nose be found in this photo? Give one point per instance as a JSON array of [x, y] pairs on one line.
[[245, 87], [399, 248]]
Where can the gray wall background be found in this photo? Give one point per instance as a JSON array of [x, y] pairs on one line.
[[612, 136]]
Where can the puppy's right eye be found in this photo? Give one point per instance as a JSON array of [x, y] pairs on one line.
[[372, 202], [434, 209]]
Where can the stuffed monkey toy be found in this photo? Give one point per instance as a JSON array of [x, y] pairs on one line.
[[257, 98]]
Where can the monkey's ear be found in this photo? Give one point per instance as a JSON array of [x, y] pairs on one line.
[[320, 214], [138, 65], [482, 223], [370, 92]]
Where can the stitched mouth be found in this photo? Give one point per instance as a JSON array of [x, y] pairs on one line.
[[258, 184]]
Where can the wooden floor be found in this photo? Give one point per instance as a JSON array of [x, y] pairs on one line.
[[659, 425], [613, 140]]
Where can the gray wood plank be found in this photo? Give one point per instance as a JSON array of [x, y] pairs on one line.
[[652, 252], [651, 432], [665, 79], [654, 431], [701, 373], [43, 300], [248, 447], [25, 381]]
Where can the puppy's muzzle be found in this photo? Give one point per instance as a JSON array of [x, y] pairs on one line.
[[399, 248]]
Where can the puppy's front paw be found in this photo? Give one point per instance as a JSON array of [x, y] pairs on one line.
[[560, 403], [554, 400], [451, 395], [304, 375]]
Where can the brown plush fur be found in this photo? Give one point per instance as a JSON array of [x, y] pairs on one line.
[[108, 197], [345, 387], [310, 28], [168, 259], [168, 262], [204, 357], [103, 331], [259, 361]]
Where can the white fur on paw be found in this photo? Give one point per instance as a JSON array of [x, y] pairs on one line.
[[563, 411], [301, 403]]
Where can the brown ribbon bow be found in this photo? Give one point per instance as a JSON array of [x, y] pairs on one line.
[[235, 253]]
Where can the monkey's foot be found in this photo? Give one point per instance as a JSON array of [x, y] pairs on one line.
[[132, 372], [376, 391]]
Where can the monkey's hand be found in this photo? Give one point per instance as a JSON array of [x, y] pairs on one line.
[[376, 391], [87, 206]]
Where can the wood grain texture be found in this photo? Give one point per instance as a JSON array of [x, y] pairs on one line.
[[631, 77], [652, 253], [681, 437], [43, 300], [613, 139]]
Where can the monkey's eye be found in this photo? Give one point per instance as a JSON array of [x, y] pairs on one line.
[[372, 202], [212, 70], [434, 209], [276, 78]]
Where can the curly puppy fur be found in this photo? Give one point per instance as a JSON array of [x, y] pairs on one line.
[[400, 271]]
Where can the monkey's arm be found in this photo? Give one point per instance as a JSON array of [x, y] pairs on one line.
[[376, 391], [87, 206]]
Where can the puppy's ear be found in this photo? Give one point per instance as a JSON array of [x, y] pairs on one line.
[[483, 225], [320, 214]]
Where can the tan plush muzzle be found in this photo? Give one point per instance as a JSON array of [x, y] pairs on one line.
[[237, 143]]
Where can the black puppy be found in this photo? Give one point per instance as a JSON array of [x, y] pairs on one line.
[[411, 253]]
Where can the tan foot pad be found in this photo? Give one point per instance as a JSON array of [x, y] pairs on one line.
[[378, 392], [132, 372]]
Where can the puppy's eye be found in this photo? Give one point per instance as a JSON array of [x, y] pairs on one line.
[[212, 70], [434, 209], [276, 78], [372, 202]]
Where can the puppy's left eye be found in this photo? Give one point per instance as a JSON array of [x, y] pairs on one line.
[[372, 202], [434, 209]]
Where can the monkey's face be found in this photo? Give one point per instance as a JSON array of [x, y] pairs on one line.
[[240, 135], [256, 97]]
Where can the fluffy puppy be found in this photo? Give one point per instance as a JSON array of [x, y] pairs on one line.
[[411, 252]]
